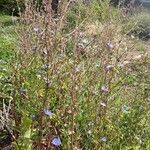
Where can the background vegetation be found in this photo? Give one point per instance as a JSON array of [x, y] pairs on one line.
[[79, 82]]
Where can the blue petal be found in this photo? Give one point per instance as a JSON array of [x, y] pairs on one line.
[[56, 141], [48, 112], [104, 88]]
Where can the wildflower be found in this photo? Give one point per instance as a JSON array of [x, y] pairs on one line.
[[81, 34], [110, 45], [56, 141], [148, 99], [104, 89], [48, 112], [104, 139], [109, 67], [89, 132], [36, 29], [103, 104]]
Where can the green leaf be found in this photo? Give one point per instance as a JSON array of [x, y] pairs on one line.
[[27, 134]]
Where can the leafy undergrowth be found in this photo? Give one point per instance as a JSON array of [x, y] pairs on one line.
[[69, 85]]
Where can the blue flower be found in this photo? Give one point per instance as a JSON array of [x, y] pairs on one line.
[[48, 112], [56, 141], [110, 45]]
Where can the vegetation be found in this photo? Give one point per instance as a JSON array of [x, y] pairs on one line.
[[143, 26], [9, 6], [74, 82], [7, 37]]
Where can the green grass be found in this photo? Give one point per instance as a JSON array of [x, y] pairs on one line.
[[7, 37]]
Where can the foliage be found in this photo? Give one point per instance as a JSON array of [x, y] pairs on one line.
[[70, 85]]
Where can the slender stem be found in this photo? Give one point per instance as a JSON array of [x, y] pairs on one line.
[[47, 26]]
